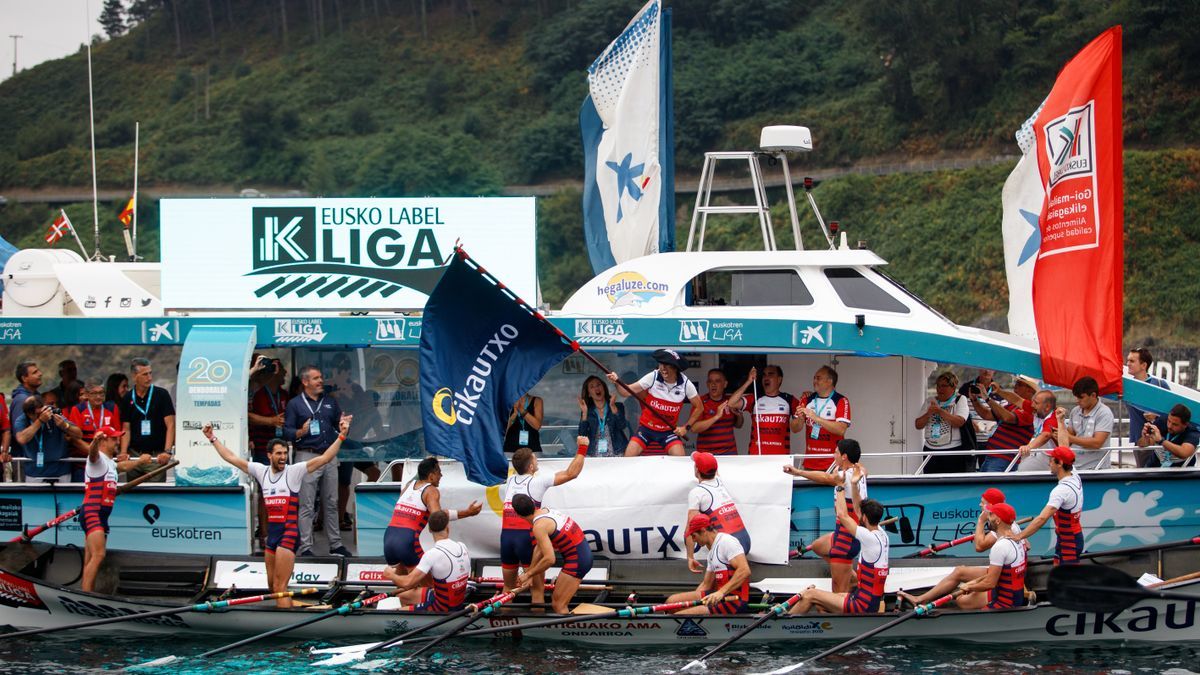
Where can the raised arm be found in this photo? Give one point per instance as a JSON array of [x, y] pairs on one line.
[[432, 498], [843, 516], [820, 477], [332, 451], [225, 453], [735, 399], [983, 539], [634, 387], [576, 466]]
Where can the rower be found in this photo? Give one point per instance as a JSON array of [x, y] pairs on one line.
[[711, 498], [725, 588], [849, 480], [439, 581], [516, 546], [280, 484], [666, 390], [1003, 584], [1065, 504], [99, 494], [553, 531], [867, 596], [402, 539]]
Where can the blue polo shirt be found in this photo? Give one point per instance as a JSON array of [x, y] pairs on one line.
[[51, 441], [302, 408], [1137, 416]]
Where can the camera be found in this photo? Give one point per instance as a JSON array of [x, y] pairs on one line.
[[268, 365], [55, 410], [976, 390]]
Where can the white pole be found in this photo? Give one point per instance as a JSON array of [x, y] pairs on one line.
[[92, 125], [754, 413], [74, 233], [137, 129]]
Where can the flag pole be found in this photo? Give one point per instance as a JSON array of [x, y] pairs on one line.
[[92, 125], [137, 127], [75, 234], [458, 250]]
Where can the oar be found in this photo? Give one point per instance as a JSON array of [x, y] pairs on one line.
[[608, 582], [919, 610], [28, 535], [1097, 588], [339, 611], [799, 552], [476, 610], [625, 613], [202, 607], [1127, 551], [778, 610], [950, 544]]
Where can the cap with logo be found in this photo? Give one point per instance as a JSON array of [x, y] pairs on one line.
[[671, 358]]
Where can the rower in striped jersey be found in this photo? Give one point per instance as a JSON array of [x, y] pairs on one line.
[[849, 480], [402, 538], [1065, 505], [554, 532], [711, 498], [714, 431], [439, 581], [873, 564], [725, 588]]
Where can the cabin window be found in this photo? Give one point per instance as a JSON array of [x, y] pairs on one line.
[[859, 292], [749, 288]]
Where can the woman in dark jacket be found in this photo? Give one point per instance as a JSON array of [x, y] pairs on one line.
[[602, 419]]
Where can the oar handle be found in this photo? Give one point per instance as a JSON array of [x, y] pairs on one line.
[[491, 607], [252, 599], [940, 602], [957, 542], [126, 487]]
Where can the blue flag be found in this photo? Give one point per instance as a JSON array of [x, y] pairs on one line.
[[481, 350]]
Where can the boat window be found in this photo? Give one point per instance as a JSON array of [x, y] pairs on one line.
[[859, 292], [749, 288]]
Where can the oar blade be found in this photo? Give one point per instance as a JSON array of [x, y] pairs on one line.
[[1092, 588], [156, 663], [341, 659], [361, 647]]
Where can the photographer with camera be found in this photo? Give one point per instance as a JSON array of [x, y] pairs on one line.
[[44, 434]]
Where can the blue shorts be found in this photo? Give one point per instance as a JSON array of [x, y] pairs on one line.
[[402, 546], [95, 518], [577, 562], [654, 442], [516, 549], [844, 547], [743, 537], [283, 535]]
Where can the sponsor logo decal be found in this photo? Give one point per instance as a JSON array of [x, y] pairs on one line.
[[11, 515], [101, 611], [452, 407], [298, 330], [10, 331], [704, 330], [16, 592], [1069, 143], [600, 331], [811, 336], [806, 627], [690, 628], [397, 330], [160, 332], [627, 289], [368, 251], [1141, 619]]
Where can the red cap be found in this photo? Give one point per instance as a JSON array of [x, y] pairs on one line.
[[697, 523], [1002, 511], [993, 496], [704, 461], [110, 432], [1063, 454]]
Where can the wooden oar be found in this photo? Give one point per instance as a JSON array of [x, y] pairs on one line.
[[608, 582], [476, 610], [625, 613], [1098, 588], [919, 610], [950, 544], [339, 611], [29, 534], [778, 610], [202, 607], [799, 552]]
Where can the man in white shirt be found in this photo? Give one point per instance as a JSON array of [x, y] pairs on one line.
[[1091, 423]]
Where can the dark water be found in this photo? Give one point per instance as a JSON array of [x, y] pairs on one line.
[[106, 654]]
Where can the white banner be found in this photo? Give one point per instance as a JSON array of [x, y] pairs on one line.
[[632, 507], [1022, 202], [337, 254]]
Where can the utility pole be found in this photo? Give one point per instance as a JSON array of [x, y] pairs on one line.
[[15, 38]]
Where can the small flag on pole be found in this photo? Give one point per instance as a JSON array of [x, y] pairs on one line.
[[126, 216], [60, 228]]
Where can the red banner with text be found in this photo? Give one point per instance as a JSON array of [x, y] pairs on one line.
[[1078, 282]]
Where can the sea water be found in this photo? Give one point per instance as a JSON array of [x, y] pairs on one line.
[[97, 652]]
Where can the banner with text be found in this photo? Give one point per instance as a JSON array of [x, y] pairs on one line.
[[627, 507], [336, 254], [212, 389]]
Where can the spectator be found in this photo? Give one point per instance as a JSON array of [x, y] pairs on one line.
[[1138, 364], [774, 415], [89, 415], [826, 416], [1178, 440], [311, 423], [525, 425], [943, 419], [67, 390], [29, 379], [714, 431], [5, 434], [361, 406], [148, 420], [602, 419], [116, 388], [44, 435], [50, 398], [978, 392], [1013, 415], [1091, 423], [266, 411], [1045, 427]]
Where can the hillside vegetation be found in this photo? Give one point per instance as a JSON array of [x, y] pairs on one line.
[[455, 97]]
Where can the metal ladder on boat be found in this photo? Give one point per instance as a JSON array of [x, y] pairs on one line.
[[774, 147]]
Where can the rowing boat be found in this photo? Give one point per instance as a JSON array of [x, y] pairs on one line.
[[42, 595]]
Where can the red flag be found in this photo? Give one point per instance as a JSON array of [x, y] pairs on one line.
[[126, 216], [1078, 282], [60, 228]]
